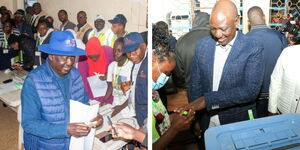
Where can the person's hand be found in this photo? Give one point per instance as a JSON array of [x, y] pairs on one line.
[[17, 66], [181, 122], [125, 86], [99, 121], [123, 130], [78, 129], [103, 78], [196, 105], [272, 114], [117, 109]]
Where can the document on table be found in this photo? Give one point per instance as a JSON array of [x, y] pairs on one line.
[[7, 87], [114, 143], [97, 86], [80, 112]]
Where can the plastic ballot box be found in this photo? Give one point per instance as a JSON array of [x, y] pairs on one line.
[[281, 132]]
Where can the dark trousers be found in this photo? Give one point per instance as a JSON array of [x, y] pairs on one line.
[[262, 103]]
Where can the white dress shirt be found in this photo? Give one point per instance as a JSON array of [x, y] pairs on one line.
[[284, 89]]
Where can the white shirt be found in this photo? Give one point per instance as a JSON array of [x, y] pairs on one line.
[[221, 55], [134, 77], [284, 89], [117, 75]]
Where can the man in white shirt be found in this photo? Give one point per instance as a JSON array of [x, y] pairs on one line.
[[285, 83]]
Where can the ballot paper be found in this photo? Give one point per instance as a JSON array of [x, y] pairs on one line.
[[97, 86], [106, 110], [7, 87], [80, 112]]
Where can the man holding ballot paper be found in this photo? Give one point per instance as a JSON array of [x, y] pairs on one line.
[[46, 96]]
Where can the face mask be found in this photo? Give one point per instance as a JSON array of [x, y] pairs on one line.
[[161, 80]]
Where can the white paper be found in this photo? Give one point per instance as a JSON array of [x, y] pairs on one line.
[[80, 112], [97, 86], [105, 110], [7, 87], [114, 143]]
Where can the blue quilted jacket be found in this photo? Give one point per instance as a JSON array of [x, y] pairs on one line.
[[45, 107]]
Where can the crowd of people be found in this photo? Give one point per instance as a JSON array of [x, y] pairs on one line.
[[59, 62], [227, 76]]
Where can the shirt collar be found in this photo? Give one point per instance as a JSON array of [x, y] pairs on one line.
[[230, 43], [259, 26]]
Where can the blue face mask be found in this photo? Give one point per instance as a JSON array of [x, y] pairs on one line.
[[161, 80]]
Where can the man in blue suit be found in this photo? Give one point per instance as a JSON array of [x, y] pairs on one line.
[[227, 71], [273, 42]]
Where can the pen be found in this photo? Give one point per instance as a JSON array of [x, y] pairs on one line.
[[110, 123]]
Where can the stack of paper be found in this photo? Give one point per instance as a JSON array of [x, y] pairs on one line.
[[82, 113]]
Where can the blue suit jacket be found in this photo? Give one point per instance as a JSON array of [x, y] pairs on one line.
[[239, 85], [273, 42]]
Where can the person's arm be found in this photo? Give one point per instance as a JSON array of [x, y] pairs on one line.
[[109, 90], [108, 93], [275, 85], [32, 121], [119, 108], [195, 88]]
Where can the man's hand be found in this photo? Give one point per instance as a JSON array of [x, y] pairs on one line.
[[196, 105], [78, 129], [103, 78], [124, 131], [17, 66], [125, 86], [99, 121]]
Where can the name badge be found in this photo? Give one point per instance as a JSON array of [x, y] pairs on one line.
[[38, 53], [5, 51]]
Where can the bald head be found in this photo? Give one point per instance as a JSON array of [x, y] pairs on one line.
[[225, 7], [224, 21], [256, 16]]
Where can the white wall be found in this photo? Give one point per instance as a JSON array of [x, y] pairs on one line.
[[134, 10], [12, 5]]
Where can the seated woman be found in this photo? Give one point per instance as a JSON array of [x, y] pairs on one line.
[[92, 64], [118, 79], [164, 126]]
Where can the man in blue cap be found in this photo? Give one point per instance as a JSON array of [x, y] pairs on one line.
[[46, 96], [136, 50], [118, 24]]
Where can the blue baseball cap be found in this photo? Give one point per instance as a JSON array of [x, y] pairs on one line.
[[132, 41], [62, 43], [119, 18]]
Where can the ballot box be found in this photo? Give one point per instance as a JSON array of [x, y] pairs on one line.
[[281, 132]]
